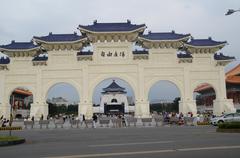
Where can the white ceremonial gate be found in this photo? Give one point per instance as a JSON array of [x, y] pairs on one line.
[[113, 56]]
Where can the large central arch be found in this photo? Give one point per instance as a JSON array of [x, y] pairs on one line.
[[103, 77]]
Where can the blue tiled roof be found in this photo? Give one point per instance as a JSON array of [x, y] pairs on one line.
[[4, 60], [140, 52], [184, 55], [220, 56], [19, 45], [205, 42], [164, 36], [60, 37], [114, 87], [111, 27], [40, 58], [85, 53]]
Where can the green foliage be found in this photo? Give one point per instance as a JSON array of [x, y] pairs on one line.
[[229, 125], [168, 107], [9, 138], [55, 110]]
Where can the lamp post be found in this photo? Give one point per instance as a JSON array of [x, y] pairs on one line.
[[231, 11]]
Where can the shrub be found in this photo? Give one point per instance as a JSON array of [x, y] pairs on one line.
[[203, 123], [229, 125]]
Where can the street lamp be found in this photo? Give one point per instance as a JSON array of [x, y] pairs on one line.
[[231, 11]]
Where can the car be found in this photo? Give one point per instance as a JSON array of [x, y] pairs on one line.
[[232, 117]]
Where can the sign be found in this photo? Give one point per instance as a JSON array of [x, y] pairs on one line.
[[113, 54]]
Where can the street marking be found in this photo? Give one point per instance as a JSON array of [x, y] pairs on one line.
[[114, 154], [209, 148], [148, 152], [126, 144]]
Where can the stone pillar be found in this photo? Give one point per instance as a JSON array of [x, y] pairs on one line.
[[5, 110], [85, 108], [222, 104], [142, 108], [39, 109], [4, 99], [186, 106]]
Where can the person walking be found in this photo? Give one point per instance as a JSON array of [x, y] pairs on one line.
[[84, 120], [94, 117]]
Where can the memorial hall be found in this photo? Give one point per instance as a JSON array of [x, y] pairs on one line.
[[121, 50]]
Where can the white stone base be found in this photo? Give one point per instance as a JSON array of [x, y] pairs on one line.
[[142, 109], [85, 109], [187, 106], [5, 111], [39, 109], [223, 106]]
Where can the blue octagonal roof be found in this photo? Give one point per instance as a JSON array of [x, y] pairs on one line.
[[161, 36], [4, 60], [205, 42], [111, 27], [40, 58], [84, 53], [19, 45], [114, 87], [136, 52], [60, 37], [221, 56]]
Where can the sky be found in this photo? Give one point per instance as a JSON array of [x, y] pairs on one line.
[[20, 20]]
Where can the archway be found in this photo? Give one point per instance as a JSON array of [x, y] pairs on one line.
[[62, 99], [164, 96], [204, 94], [20, 100], [113, 96]]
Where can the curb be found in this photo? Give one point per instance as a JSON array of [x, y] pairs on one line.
[[14, 142]]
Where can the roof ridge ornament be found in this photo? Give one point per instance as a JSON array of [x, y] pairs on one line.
[[95, 22], [128, 21], [173, 31]]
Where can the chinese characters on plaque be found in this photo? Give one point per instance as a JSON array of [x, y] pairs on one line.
[[113, 54]]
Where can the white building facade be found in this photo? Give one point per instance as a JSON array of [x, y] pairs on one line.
[[113, 57], [114, 100]]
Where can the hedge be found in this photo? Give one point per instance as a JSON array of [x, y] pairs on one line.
[[229, 125]]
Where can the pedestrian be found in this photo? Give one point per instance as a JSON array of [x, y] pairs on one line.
[[32, 119], [123, 121], [41, 118], [84, 120], [11, 120], [94, 117]]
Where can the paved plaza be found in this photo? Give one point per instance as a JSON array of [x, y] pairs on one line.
[[167, 141]]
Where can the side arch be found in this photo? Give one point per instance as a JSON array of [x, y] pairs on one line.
[[213, 84], [52, 83], [10, 90], [154, 80]]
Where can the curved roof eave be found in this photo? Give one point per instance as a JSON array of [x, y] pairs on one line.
[[60, 42], [173, 40], [193, 46], [18, 50], [86, 30]]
